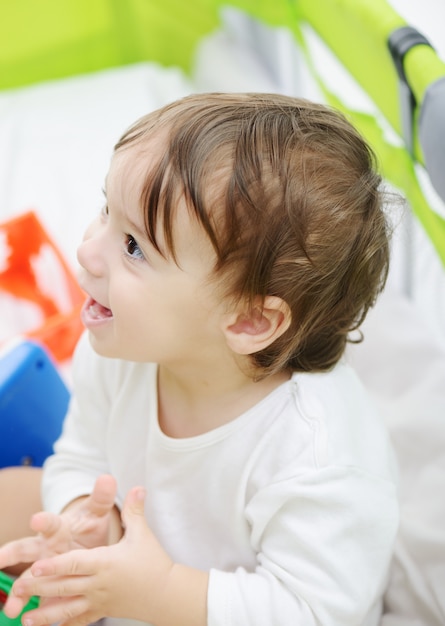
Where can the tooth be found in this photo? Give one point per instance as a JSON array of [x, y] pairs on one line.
[[97, 311]]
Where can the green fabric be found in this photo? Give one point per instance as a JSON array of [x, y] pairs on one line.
[[357, 31], [50, 39]]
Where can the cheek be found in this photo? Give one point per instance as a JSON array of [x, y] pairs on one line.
[[129, 297]]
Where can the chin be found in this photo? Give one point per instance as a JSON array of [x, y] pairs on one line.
[[110, 350], [103, 348]]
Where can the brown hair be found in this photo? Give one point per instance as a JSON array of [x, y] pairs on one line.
[[288, 193]]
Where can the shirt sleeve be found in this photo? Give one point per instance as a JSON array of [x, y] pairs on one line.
[[324, 542], [80, 452]]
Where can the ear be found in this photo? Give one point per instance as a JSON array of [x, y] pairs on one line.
[[252, 331]]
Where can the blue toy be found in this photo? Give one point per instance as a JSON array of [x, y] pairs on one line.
[[33, 403]]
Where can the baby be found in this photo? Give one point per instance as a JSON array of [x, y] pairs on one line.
[[220, 463]]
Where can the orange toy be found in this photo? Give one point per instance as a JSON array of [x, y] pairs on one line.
[[33, 271]]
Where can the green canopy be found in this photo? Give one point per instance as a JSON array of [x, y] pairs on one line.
[[50, 39]]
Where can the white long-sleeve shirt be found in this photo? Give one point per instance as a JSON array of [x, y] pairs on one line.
[[292, 507]]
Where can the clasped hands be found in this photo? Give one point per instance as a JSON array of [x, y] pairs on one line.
[[78, 574]]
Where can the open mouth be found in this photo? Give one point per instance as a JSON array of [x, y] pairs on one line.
[[94, 313]]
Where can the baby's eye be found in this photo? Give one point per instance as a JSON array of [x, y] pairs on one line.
[[133, 249]]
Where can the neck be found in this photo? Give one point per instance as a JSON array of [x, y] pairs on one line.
[[192, 403]]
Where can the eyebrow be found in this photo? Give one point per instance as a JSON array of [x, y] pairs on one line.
[[141, 233], [136, 228]]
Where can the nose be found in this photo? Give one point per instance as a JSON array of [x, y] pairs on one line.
[[90, 252]]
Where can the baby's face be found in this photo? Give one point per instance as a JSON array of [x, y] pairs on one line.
[[143, 306]]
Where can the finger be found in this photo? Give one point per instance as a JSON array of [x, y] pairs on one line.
[[54, 535], [103, 496], [16, 602], [56, 610], [46, 524], [73, 563], [23, 550], [14, 605], [133, 509], [52, 586]]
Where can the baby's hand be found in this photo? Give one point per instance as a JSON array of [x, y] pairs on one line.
[[124, 580], [86, 523]]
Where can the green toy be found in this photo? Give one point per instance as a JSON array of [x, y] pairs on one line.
[[5, 586]]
